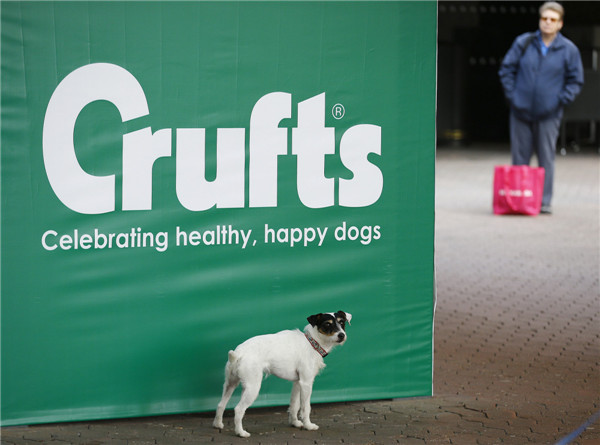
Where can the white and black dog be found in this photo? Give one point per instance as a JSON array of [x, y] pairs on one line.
[[291, 355]]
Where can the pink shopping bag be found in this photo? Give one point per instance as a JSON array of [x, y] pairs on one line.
[[518, 189]]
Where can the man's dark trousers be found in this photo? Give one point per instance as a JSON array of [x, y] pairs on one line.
[[539, 137]]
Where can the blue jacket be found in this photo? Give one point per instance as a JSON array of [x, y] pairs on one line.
[[536, 86]]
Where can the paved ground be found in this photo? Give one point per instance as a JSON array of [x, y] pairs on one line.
[[517, 344]]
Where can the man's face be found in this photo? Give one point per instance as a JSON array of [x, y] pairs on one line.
[[550, 22]]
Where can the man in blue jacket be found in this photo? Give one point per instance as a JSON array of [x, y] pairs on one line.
[[541, 73]]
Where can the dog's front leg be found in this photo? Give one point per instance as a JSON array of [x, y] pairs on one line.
[[295, 406], [305, 393]]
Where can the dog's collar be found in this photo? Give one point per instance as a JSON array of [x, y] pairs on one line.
[[315, 344]]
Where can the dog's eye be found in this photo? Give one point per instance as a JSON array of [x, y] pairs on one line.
[[328, 326]]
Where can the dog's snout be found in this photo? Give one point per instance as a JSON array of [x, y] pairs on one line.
[[341, 336]]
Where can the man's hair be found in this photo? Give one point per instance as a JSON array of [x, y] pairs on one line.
[[554, 6]]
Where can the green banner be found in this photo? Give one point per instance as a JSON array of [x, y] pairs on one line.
[[180, 176]]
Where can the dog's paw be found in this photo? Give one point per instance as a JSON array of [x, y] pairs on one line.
[[218, 425], [243, 433], [296, 423], [310, 426]]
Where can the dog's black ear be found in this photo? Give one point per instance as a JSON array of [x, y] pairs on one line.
[[314, 319], [345, 315]]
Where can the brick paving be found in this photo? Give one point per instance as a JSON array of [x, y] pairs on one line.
[[517, 333]]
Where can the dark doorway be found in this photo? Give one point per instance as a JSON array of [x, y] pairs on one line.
[[473, 38]]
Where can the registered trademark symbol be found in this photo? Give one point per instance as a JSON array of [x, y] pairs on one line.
[[338, 111]]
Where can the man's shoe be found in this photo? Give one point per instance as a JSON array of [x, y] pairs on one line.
[[546, 210]]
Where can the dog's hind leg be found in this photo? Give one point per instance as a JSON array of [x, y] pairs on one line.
[[249, 394], [231, 382], [295, 406]]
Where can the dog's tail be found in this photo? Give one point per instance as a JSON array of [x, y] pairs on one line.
[[232, 357], [231, 367]]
